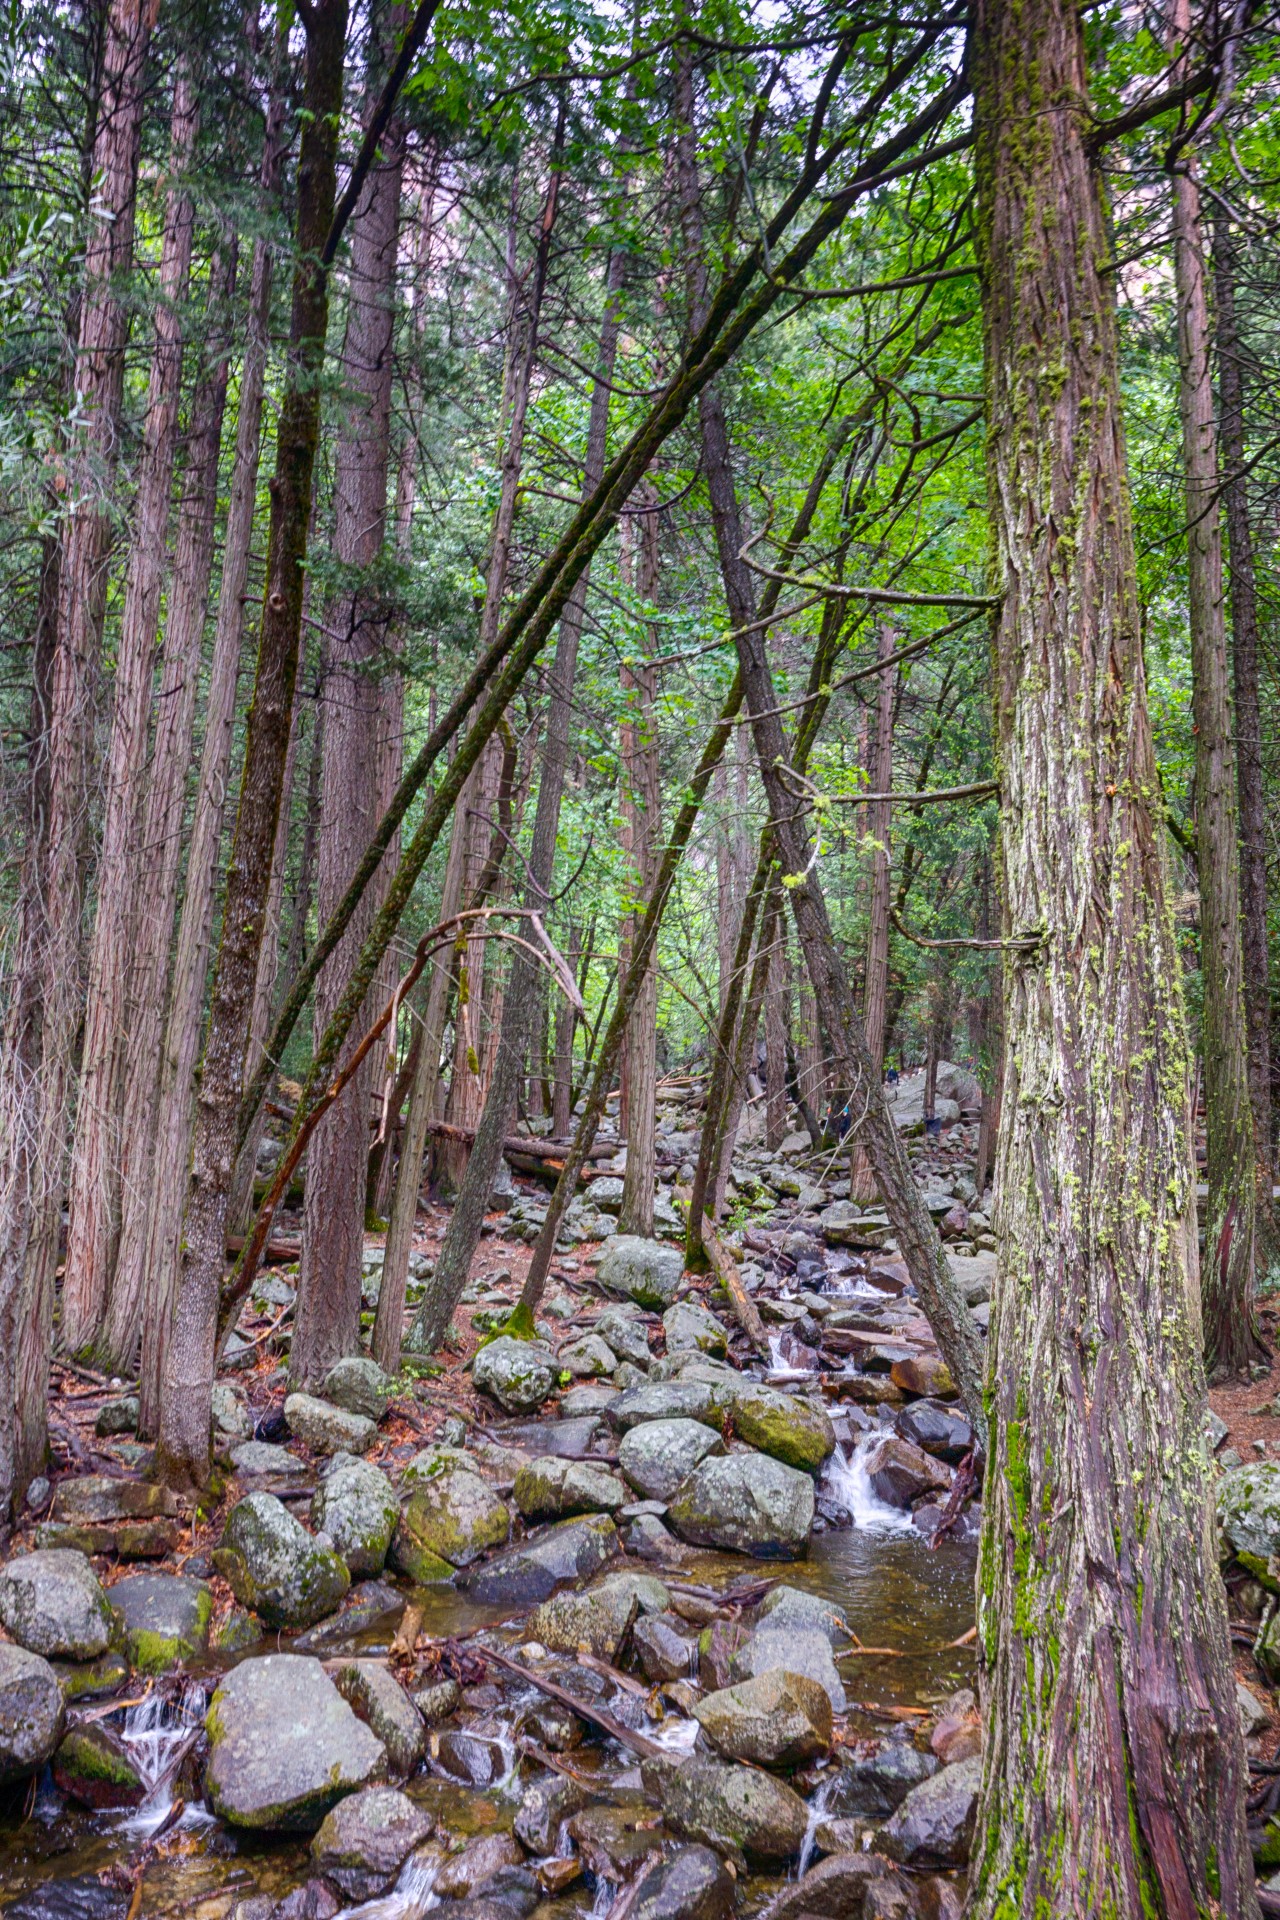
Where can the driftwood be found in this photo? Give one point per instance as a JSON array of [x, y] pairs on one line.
[[626, 1736], [744, 1306]]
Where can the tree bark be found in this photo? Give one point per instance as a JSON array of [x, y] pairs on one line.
[[183, 1450], [640, 803], [777, 1021], [327, 1323], [1113, 1766], [1248, 723], [1232, 1342], [878, 830]]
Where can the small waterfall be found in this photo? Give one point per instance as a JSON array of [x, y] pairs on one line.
[[158, 1733], [845, 1481], [413, 1895], [603, 1898], [817, 1807]]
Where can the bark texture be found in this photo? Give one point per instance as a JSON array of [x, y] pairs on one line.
[[641, 825], [879, 825], [1113, 1768]]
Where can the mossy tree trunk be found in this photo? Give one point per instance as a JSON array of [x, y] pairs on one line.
[[1113, 1767]]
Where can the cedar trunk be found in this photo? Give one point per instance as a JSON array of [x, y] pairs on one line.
[[1113, 1766]]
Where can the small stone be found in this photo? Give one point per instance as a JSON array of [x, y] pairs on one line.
[[39, 1494], [692, 1328], [663, 1651], [693, 1884], [623, 1329], [259, 1460], [52, 1604], [98, 1679], [928, 1375], [31, 1712], [436, 1702], [231, 1417], [1254, 1717], [358, 1385], [326, 1428], [93, 1767], [478, 1861], [900, 1473], [385, 1707], [588, 1358], [874, 1783], [779, 1719], [569, 1550], [96, 1498], [365, 1840], [546, 1804], [792, 1607]]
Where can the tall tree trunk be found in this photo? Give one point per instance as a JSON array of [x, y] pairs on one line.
[[566, 1023], [34, 1142], [1113, 1766], [328, 1313], [160, 854], [151, 1221], [777, 1022], [1248, 729], [879, 827], [641, 825], [183, 1450], [1232, 1342]]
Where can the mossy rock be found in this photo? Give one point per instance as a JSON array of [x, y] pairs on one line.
[[453, 1518], [92, 1767], [166, 1619], [785, 1427]]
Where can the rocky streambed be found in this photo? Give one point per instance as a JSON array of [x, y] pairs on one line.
[[635, 1620]]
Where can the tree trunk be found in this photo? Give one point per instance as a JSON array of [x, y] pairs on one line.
[[183, 1451], [1232, 1342], [160, 855], [641, 825], [777, 1021], [879, 827], [566, 1024], [1249, 774], [328, 1313], [1113, 1766]]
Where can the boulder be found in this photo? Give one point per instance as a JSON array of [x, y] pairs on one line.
[[736, 1810], [642, 1270], [934, 1825], [455, 1519], [691, 1328], [614, 1841], [622, 1329], [587, 1400], [259, 1460], [874, 1783], [31, 1712], [1249, 1510], [606, 1193], [597, 1620], [284, 1745], [117, 1416], [748, 1503], [901, 1473], [98, 1679], [667, 1400], [473, 1757], [785, 1427], [658, 1456], [273, 1565], [799, 1650], [356, 1505], [358, 1385], [793, 1608], [231, 1418], [384, 1706], [663, 1651], [692, 1884], [923, 1374], [436, 1702], [364, 1841], [326, 1428], [779, 1719], [52, 1604], [937, 1429], [477, 1863], [79, 1897], [519, 1374], [97, 1498], [834, 1889], [166, 1618], [553, 1489], [93, 1766], [570, 1550], [588, 1358], [546, 1804]]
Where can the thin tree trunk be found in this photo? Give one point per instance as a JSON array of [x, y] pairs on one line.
[[1249, 772], [879, 827], [777, 1020], [159, 857], [744, 1052], [566, 1023], [1232, 1342], [183, 1450], [641, 825], [1114, 1772], [327, 1324]]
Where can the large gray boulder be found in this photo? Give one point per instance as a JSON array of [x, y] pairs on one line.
[[779, 1719], [934, 1825], [792, 1607], [552, 1488], [658, 1456], [1249, 1509], [588, 1357], [31, 1712], [642, 1270], [166, 1618], [782, 1425], [453, 1518], [520, 1374], [326, 1428], [52, 1604], [801, 1650], [356, 1505], [358, 1385], [901, 1473], [570, 1550], [366, 1839], [747, 1503], [736, 1810], [273, 1565], [284, 1745]]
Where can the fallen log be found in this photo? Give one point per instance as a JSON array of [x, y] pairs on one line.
[[626, 1736], [744, 1306]]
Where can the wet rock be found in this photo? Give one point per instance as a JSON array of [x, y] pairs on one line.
[[509, 1894], [746, 1502], [874, 1784], [900, 1473], [779, 1719], [52, 1604], [384, 1706], [782, 1425], [545, 1806], [117, 1416], [925, 1374], [667, 1400], [82, 1897], [326, 1428], [663, 1651], [958, 1733], [364, 1606], [166, 1618], [314, 1900], [553, 1489], [801, 1650], [273, 1565], [96, 1679], [648, 1539], [31, 1712], [93, 1767], [598, 1620], [934, 1825], [479, 1860], [438, 1701], [284, 1745], [454, 1519], [365, 1840], [358, 1385], [624, 1331], [260, 1460], [471, 1757], [643, 1270], [793, 1608], [589, 1358], [356, 1505], [692, 1884], [834, 1889], [96, 1498], [519, 1374], [570, 1550], [691, 1328], [1249, 1511], [936, 1429], [614, 1841], [736, 1810]]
